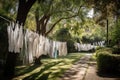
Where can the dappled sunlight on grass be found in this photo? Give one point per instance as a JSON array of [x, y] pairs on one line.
[[26, 69], [21, 66], [51, 69], [28, 72]]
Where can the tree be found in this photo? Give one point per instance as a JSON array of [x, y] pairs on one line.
[[47, 16], [8, 9], [5, 13], [62, 35], [116, 34], [106, 9], [23, 9]]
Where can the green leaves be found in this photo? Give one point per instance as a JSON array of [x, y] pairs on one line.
[[116, 33], [62, 34], [8, 8]]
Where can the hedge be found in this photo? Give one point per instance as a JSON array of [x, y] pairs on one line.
[[109, 50], [107, 62], [116, 51]]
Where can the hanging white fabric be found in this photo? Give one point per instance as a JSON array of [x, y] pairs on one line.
[[31, 45], [87, 47], [15, 35]]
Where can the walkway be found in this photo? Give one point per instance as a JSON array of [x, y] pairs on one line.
[[81, 70], [91, 74], [78, 70]]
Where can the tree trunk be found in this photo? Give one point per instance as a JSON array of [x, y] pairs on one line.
[[37, 25], [107, 33], [23, 10], [10, 65], [41, 29], [22, 15], [41, 24]]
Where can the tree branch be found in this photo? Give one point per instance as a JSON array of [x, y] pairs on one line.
[[58, 22], [62, 11], [46, 21], [62, 19]]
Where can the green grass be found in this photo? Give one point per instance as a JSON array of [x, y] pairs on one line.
[[51, 69], [93, 57]]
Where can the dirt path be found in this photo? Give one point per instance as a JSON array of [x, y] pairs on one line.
[[92, 75], [78, 70], [82, 70]]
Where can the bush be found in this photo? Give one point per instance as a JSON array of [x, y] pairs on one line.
[[109, 50], [70, 46], [116, 51], [107, 62], [64, 35], [97, 48]]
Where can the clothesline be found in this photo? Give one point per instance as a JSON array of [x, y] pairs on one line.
[[5, 19], [30, 44], [87, 47]]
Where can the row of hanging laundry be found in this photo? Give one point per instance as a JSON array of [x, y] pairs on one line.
[[87, 47], [31, 45], [83, 47], [100, 43]]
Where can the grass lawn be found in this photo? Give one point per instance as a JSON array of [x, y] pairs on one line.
[[51, 69]]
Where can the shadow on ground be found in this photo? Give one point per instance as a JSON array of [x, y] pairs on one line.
[[26, 69], [38, 76], [50, 69]]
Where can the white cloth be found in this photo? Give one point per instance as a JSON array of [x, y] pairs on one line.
[[31, 44]]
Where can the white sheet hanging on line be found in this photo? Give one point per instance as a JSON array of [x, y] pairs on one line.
[[30, 44], [14, 37]]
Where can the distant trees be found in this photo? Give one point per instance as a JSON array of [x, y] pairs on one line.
[[106, 14], [116, 34]]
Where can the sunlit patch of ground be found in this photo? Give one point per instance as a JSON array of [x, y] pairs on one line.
[[51, 69]]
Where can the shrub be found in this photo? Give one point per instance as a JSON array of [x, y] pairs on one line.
[[107, 62], [97, 48], [64, 35], [109, 50], [70, 46], [116, 51]]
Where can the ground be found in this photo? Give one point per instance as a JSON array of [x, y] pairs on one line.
[[76, 66], [86, 69]]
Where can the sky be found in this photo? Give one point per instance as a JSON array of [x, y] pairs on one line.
[[91, 13]]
